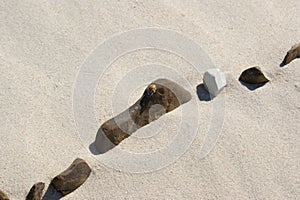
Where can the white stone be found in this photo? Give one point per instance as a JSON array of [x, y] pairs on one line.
[[214, 81]]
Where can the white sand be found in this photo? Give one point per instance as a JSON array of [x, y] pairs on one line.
[[44, 44]]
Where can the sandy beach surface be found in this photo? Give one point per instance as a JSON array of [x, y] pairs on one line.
[[44, 45]]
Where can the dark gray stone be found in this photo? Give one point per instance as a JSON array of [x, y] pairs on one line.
[[72, 178], [292, 54], [36, 191], [253, 75]]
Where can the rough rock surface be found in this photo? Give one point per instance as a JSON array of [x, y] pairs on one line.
[[214, 81], [160, 97], [3, 196], [292, 54], [36, 191], [253, 75], [72, 178]]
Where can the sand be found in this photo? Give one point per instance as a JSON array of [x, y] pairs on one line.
[[44, 44]]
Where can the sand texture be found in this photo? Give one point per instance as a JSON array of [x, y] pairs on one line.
[[44, 45]]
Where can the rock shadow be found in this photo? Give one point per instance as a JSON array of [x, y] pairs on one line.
[[202, 93], [52, 194], [252, 86], [106, 144]]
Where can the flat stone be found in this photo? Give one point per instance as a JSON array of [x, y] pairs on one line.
[[253, 75], [292, 54], [160, 97], [3, 196], [72, 178], [214, 81], [36, 191]]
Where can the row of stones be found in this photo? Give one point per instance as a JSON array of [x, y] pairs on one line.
[[170, 95], [64, 183], [214, 80]]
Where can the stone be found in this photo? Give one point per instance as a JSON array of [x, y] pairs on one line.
[[253, 75], [36, 191], [3, 196], [160, 97], [72, 178], [292, 54], [214, 81]]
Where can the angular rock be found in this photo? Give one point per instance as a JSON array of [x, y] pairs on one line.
[[160, 97], [214, 81], [3, 196], [36, 191], [292, 54], [73, 177], [253, 75]]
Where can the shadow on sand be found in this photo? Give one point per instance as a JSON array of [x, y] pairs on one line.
[[52, 194], [252, 86], [203, 94]]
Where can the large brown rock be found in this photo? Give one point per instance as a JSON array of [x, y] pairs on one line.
[[36, 191], [160, 97], [253, 75], [3, 196], [292, 54], [72, 178]]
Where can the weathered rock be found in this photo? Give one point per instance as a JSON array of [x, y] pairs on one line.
[[160, 97], [72, 178], [36, 191], [292, 54], [253, 75], [214, 81], [3, 196]]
